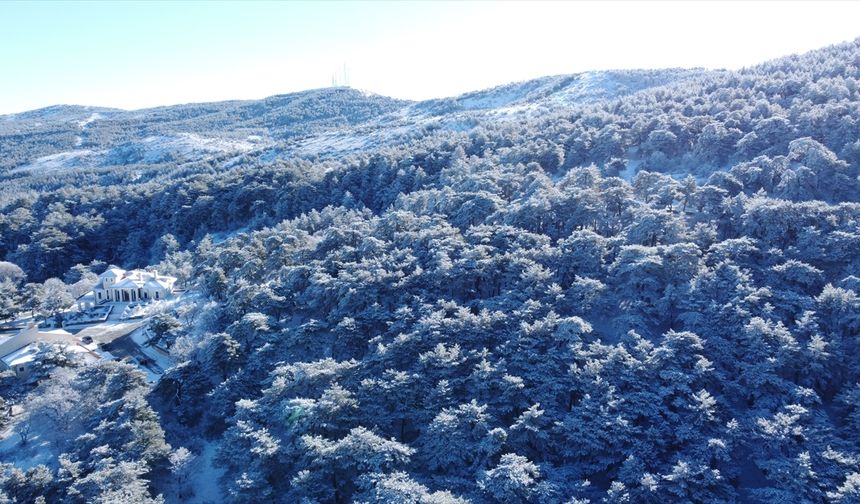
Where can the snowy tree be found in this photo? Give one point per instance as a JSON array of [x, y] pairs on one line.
[[399, 488], [182, 463], [513, 480], [460, 440], [10, 300], [55, 298], [336, 466]]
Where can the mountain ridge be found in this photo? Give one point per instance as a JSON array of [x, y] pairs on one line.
[[77, 131], [366, 92], [338, 121]]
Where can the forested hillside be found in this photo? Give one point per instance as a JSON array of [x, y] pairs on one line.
[[611, 287]]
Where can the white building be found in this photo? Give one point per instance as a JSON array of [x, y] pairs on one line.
[[134, 285], [18, 352]]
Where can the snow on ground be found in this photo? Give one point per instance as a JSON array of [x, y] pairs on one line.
[[588, 87], [204, 480], [83, 125], [59, 161], [150, 150], [333, 141], [151, 376], [222, 236], [94, 116], [491, 99], [38, 450], [161, 359], [343, 141], [523, 109], [138, 310], [630, 170], [161, 148], [188, 143], [108, 331]]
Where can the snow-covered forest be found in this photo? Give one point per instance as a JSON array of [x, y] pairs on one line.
[[631, 286]]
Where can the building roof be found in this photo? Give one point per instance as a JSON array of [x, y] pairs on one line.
[[58, 332], [157, 284], [10, 349], [28, 353], [23, 355], [6, 337], [88, 296], [132, 279], [113, 272], [128, 283]]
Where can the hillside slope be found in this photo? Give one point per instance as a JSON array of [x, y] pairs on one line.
[[72, 136], [609, 287]]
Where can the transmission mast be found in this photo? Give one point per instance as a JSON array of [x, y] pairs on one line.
[[340, 78]]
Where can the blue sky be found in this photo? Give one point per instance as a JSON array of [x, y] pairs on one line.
[[140, 54]]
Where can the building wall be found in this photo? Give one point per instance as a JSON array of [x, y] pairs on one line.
[[110, 293], [162, 293]]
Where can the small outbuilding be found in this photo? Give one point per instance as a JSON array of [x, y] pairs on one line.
[[18, 351]]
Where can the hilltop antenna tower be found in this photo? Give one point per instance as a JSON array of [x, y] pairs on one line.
[[340, 78]]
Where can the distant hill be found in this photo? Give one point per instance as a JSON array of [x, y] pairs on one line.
[[89, 136], [67, 136], [560, 90]]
